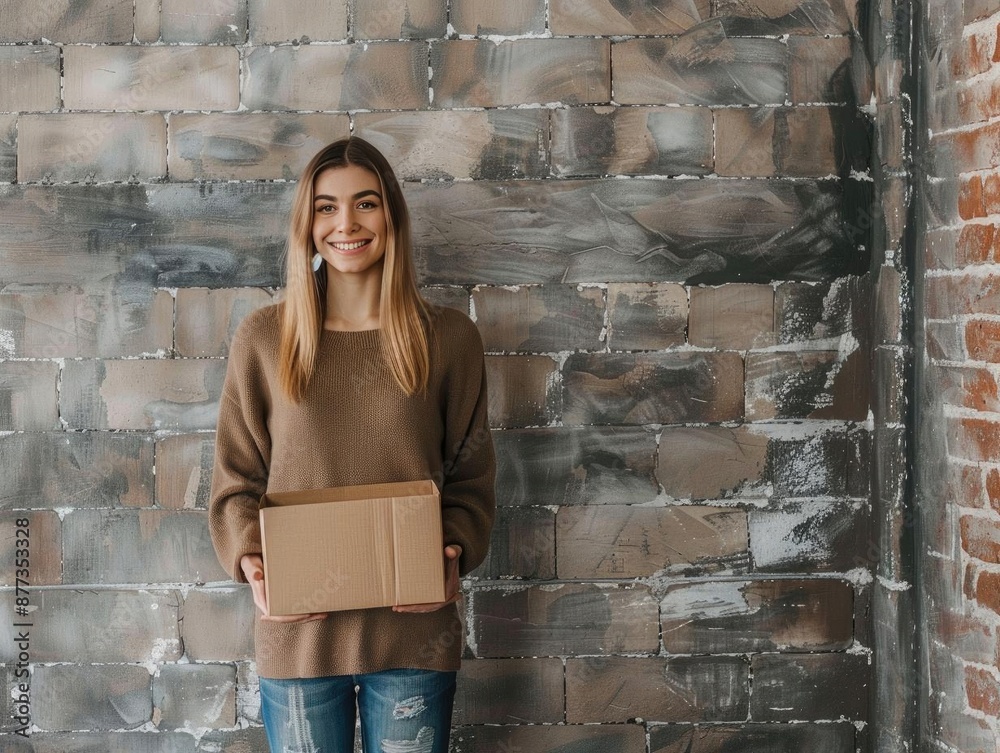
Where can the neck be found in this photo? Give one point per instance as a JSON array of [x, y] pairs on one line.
[[352, 301]]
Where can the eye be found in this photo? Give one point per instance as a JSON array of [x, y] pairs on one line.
[[367, 205], [324, 209]]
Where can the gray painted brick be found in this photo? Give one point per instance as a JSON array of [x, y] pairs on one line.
[[100, 626], [143, 394], [482, 17], [625, 541], [807, 384], [451, 296], [756, 616], [829, 464], [540, 319], [786, 141], [756, 738], [207, 319], [184, 471], [29, 78], [797, 686], [28, 396], [735, 316], [689, 689], [712, 462], [204, 611], [91, 697], [484, 144], [625, 17], [316, 20], [704, 67], [521, 390], [620, 738], [31, 553], [575, 465], [646, 316], [338, 77], [147, 20], [66, 21], [390, 19], [523, 545], [92, 146], [564, 619], [233, 741], [248, 145], [481, 73], [631, 141], [221, 22], [759, 17], [8, 147], [151, 78], [142, 546], [81, 469], [509, 691], [192, 696], [808, 536], [642, 388], [108, 742]]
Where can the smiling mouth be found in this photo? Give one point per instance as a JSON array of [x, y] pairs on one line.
[[349, 246]]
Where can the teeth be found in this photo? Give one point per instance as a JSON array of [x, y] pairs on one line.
[[349, 246]]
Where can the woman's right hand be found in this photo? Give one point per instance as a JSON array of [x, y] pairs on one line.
[[253, 568]]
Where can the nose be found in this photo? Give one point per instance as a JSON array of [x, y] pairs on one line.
[[345, 219]]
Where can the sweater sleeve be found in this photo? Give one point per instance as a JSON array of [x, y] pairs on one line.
[[242, 459], [468, 496]]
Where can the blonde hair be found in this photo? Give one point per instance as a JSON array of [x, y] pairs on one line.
[[403, 314]]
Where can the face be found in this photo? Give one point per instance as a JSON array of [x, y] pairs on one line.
[[349, 227]]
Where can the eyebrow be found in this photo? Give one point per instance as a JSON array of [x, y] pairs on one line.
[[358, 195]]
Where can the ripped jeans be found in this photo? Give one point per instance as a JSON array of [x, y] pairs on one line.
[[402, 711]]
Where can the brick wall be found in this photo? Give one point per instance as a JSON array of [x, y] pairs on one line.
[[669, 222], [959, 487]]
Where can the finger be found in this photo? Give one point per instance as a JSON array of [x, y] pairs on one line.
[[453, 551]]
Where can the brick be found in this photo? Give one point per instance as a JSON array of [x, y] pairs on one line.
[[777, 141], [808, 537], [969, 387], [233, 741], [628, 18], [626, 230], [8, 147], [977, 102], [993, 488], [29, 78], [631, 141], [481, 73], [92, 146], [102, 21], [509, 691], [28, 396], [337, 77], [147, 20], [805, 312], [206, 319], [967, 633], [689, 689], [797, 686], [514, 17], [450, 296], [945, 340], [522, 545], [92, 469], [623, 541], [646, 316], [736, 316], [184, 471], [828, 464], [950, 296], [481, 144], [982, 690], [981, 340], [315, 20], [781, 16], [387, 19], [621, 738], [32, 552], [987, 591], [584, 465], [100, 626], [520, 390], [711, 462], [141, 546], [807, 384], [976, 245], [705, 67], [187, 696], [202, 613], [539, 319], [67, 322], [91, 697], [142, 394], [564, 619], [758, 616], [769, 738], [981, 538], [819, 70], [222, 22], [111, 742], [645, 388], [970, 198], [973, 439]]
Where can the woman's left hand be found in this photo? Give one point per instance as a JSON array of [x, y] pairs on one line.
[[451, 584]]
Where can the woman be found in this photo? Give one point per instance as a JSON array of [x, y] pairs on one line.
[[354, 379]]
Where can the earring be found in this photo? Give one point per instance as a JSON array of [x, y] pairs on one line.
[[317, 262]]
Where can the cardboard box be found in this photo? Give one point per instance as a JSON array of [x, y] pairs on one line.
[[352, 547]]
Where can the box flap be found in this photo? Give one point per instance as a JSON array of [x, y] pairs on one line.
[[342, 493]]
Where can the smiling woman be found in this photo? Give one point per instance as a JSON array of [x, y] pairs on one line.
[[354, 379]]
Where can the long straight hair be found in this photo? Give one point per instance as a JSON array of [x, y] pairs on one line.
[[403, 313]]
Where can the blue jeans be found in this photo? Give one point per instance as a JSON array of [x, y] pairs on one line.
[[402, 711]]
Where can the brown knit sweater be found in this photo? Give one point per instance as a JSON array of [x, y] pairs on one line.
[[354, 426]]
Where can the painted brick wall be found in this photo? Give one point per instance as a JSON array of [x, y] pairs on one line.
[[662, 217], [959, 487]]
